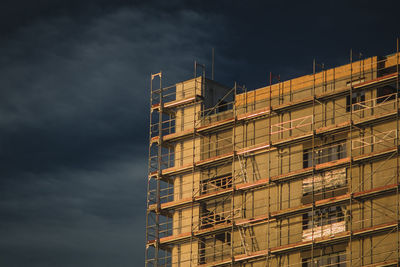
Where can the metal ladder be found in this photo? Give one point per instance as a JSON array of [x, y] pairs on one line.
[[243, 169], [251, 245]]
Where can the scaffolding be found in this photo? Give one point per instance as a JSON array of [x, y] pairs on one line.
[[303, 172]]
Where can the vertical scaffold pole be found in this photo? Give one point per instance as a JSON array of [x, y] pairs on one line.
[[150, 177], [233, 174], [269, 167], [148, 174], [194, 161], [159, 157], [350, 214], [397, 145], [313, 167]]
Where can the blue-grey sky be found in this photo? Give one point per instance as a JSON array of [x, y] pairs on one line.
[[74, 90]]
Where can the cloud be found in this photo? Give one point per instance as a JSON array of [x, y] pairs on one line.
[[74, 217], [91, 81], [87, 215], [74, 105]]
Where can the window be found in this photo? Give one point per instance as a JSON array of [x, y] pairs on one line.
[[224, 238], [210, 218], [214, 247], [332, 260], [325, 222], [222, 106], [323, 217], [180, 219], [216, 183], [325, 154], [202, 251], [324, 181], [357, 99], [222, 182], [179, 255], [389, 91]]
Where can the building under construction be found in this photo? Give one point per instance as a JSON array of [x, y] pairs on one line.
[[303, 172]]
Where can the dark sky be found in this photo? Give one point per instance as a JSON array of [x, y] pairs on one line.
[[74, 90]]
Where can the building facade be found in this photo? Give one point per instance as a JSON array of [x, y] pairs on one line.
[[303, 172]]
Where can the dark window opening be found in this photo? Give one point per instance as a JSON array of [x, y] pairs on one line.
[[224, 238], [223, 183], [322, 155], [337, 259], [216, 183], [324, 216], [202, 251], [222, 106], [210, 247], [210, 218], [386, 91], [307, 158], [357, 101]]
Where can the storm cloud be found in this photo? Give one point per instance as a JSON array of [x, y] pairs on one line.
[[74, 107], [74, 103]]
